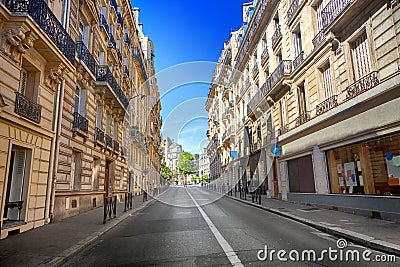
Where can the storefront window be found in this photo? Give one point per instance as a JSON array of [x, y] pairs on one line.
[[371, 167]]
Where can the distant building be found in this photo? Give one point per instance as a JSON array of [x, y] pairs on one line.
[[204, 163], [172, 150]]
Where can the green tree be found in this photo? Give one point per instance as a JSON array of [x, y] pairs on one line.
[[186, 164], [165, 171]]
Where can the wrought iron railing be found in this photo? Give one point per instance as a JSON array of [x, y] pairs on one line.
[[254, 102], [292, 10], [110, 208], [303, 118], [108, 141], [277, 36], [264, 54], [98, 135], [126, 71], [80, 123], [113, 3], [27, 108], [327, 105], [103, 74], [362, 85], [284, 68], [332, 10], [111, 40], [40, 12], [86, 57], [319, 39], [298, 60], [254, 72]]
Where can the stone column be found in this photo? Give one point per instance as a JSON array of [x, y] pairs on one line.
[[320, 171]]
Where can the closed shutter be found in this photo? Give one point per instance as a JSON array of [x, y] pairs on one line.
[[283, 109], [18, 176], [361, 57]]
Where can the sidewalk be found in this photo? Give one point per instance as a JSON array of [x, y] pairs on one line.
[[51, 244], [374, 233]]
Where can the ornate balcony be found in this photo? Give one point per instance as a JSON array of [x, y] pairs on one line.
[[362, 85], [86, 57], [108, 141], [113, 3], [27, 108], [276, 37], [298, 60], [80, 124], [119, 55], [98, 136], [284, 68], [103, 74], [111, 40], [254, 102], [292, 10], [319, 39], [40, 12], [264, 55], [326, 105], [137, 53], [303, 118], [332, 10]]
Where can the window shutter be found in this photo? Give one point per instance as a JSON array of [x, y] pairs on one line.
[[327, 82], [22, 82], [82, 102], [361, 57], [18, 176]]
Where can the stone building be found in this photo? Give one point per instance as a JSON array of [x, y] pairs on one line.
[[320, 80], [69, 70]]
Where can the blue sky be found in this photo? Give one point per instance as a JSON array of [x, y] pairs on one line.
[[187, 31]]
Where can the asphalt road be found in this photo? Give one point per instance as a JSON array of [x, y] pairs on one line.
[[179, 230]]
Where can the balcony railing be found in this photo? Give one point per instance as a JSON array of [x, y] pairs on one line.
[[254, 72], [136, 53], [111, 40], [292, 10], [113, 3], [327, 105], [254, 102], [86, 57], [319, 39], [27, 108], [332, 10], [98, 135], [298, 60], [362, 85], [103, 74], [277, 36], [47, 21], [108, 141], [126, 71], [264, 55], [303, 118], [80, 123], [284, 68]]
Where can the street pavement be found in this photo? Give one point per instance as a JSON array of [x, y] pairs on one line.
[[178, 230]]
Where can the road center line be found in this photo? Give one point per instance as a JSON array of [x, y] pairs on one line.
[[229, 252]]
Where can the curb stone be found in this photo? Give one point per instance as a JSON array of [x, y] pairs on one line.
[[355, 237]]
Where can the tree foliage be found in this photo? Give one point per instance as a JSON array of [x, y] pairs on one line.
[[186, 163], [165, 171]]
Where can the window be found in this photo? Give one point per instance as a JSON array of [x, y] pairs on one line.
[[301, 99], [96, 173], [99, 115], [361, 57], [80, 101], [29, 81], [298, 46], [301, 175], [115, 130], [76, 171], [283, 112], [327, 81], [108, 123], [84, 33], [319, 8]]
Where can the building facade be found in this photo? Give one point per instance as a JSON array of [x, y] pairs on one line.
[[172, 150], [204, 164], [319, 79], [70, 69]]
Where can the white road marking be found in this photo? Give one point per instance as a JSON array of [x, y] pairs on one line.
[[229, 252]]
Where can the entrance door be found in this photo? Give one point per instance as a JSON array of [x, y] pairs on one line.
[[15, 185]]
